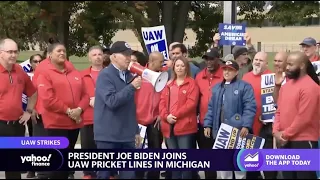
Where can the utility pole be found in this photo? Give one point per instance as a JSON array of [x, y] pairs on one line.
[[229, 16]]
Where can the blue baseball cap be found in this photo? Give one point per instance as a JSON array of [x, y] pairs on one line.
[[121, 47], [309, 41]]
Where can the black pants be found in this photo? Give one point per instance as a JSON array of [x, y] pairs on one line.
[[38, 131], [155, 138], [205, 143], [300, 174], [72, 136], [15, 129], [87, 142]]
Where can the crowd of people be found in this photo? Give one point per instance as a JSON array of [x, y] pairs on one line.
[[105, 102]]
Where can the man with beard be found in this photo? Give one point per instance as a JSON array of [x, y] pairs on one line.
[[260, 67], [279, 67], [206, 79], [90, 76], [297, 126]]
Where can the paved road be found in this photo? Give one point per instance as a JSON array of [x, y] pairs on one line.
[[78, 175]]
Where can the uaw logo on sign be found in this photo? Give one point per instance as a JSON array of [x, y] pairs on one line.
[[267, 88], [232, 34], [155, 40], [228, 137]]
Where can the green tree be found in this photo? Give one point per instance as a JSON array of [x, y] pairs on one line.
[[172, 14], [94, 25], [80, 24], [284, 13], [19, 21], [55, 17], [201, 16], [205, 24]]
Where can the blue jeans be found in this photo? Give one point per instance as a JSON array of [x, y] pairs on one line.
[[181, 142], [115, 145]]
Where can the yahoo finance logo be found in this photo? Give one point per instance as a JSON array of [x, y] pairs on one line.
[[249, 160]]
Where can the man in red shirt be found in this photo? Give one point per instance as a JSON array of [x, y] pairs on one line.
[[206, 80], [260, 67], [90, 76], [14, 82], [147, 109], [296, 124]]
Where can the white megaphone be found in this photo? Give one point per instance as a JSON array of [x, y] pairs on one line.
[[157, 79]]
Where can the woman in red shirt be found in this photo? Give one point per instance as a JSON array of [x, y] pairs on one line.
[[62, 93], [177, 108]]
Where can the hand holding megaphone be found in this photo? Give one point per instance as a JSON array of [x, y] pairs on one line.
[[157, 79], [136, 83]]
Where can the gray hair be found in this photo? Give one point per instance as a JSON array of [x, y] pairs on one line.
[[94, 48], [3, 41]]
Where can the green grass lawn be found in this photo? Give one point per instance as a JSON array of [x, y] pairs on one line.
[[82, 62]]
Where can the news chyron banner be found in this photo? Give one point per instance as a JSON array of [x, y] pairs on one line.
[[155, 39], [232, 34], [228, 137], [50, 154], [27, 68], [267, 89]]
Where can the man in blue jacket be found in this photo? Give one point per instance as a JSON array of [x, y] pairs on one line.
[[232, 103], [115, 124]]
